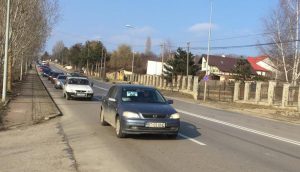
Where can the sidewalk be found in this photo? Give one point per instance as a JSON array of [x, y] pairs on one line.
[[27, 147], [31, 106]]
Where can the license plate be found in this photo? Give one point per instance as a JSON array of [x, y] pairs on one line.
[[155, 125], [81, 94]]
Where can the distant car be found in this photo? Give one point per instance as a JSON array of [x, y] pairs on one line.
[[77, 87], [54, 75], [134, 109], [73, 74], [60, 81], [46, 72]]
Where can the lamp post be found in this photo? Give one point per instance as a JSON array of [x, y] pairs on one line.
[[6, 53], [132, 62], [208, 53]]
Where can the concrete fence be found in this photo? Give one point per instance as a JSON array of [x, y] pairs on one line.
[[276, 94], [254, 92], [188, 85]]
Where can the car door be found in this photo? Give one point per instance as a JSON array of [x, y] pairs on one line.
[[112, 105], [105, 101]]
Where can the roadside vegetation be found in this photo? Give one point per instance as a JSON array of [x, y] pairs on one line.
[[31, 22]]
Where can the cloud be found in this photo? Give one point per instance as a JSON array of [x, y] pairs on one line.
[[199, 28]]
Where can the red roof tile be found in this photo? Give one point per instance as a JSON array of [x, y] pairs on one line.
[[253, 62]]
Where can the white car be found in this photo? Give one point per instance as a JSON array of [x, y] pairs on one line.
[[77, 87]]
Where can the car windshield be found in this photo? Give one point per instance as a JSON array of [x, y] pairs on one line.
[[56, 74], [62, 77], [142, 95], [78, 81]]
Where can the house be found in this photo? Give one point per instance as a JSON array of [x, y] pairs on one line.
[[219, 67], [262, 65]]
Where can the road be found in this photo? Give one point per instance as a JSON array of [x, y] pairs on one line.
[[209, 140]]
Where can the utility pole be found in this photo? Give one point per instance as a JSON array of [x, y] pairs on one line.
[[101, 62], [187, 59], [162, 46], [6, 53], [132, 79], [208, 53]]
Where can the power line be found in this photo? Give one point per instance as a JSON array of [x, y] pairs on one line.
[[244, 46]]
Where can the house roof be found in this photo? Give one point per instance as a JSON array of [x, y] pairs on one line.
[[224, 64], [253, 62]]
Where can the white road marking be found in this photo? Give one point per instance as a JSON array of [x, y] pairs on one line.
[[241, 128], [102, 88], [191, 139]]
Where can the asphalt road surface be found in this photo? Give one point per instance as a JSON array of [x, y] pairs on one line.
[[209, 140]]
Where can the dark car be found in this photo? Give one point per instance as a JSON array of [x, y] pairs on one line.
[[54, 76], [46, 72], [134, 109], [60, 81]]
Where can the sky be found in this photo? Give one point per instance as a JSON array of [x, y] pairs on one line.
[[175, 21]]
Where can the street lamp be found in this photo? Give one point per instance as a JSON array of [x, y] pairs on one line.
[[6, 53], [208, 53], [132, 62]]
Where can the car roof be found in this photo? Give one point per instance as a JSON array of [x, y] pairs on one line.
[[133, 86], [76, 77]]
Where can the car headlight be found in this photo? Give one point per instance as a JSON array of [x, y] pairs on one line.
[[73, 91], [175, 116], [131, 115], [90, 91]]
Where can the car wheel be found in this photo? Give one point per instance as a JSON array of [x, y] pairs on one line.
[[119, 131], [102, 120], [67, 96]]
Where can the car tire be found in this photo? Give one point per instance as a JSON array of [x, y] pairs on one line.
[[119, 131], [102, 120]]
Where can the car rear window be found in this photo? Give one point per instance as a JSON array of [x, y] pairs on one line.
[[142, 95], [78, 81]]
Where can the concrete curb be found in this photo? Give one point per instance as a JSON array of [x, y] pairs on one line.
[[60, 112]]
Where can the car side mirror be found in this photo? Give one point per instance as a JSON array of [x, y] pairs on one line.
[[170, 101], [112, 99]]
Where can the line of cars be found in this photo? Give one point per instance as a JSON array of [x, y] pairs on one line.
[[130, 109], [73, 85]]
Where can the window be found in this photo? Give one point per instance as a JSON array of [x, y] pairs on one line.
[[142, 95]]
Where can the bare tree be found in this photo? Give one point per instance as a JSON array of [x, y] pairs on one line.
[[30, 26], [57, 51], [148, 46], [282, 28]]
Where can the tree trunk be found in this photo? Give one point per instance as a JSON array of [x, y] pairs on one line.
[[10, 71]]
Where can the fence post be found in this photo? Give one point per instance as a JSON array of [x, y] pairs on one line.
[[195, 87], [236, 91], [285, 94], [257, 91], [246, 90], [271, 90], [189, 83], [178, 82], [157, 81], [184, 83]]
